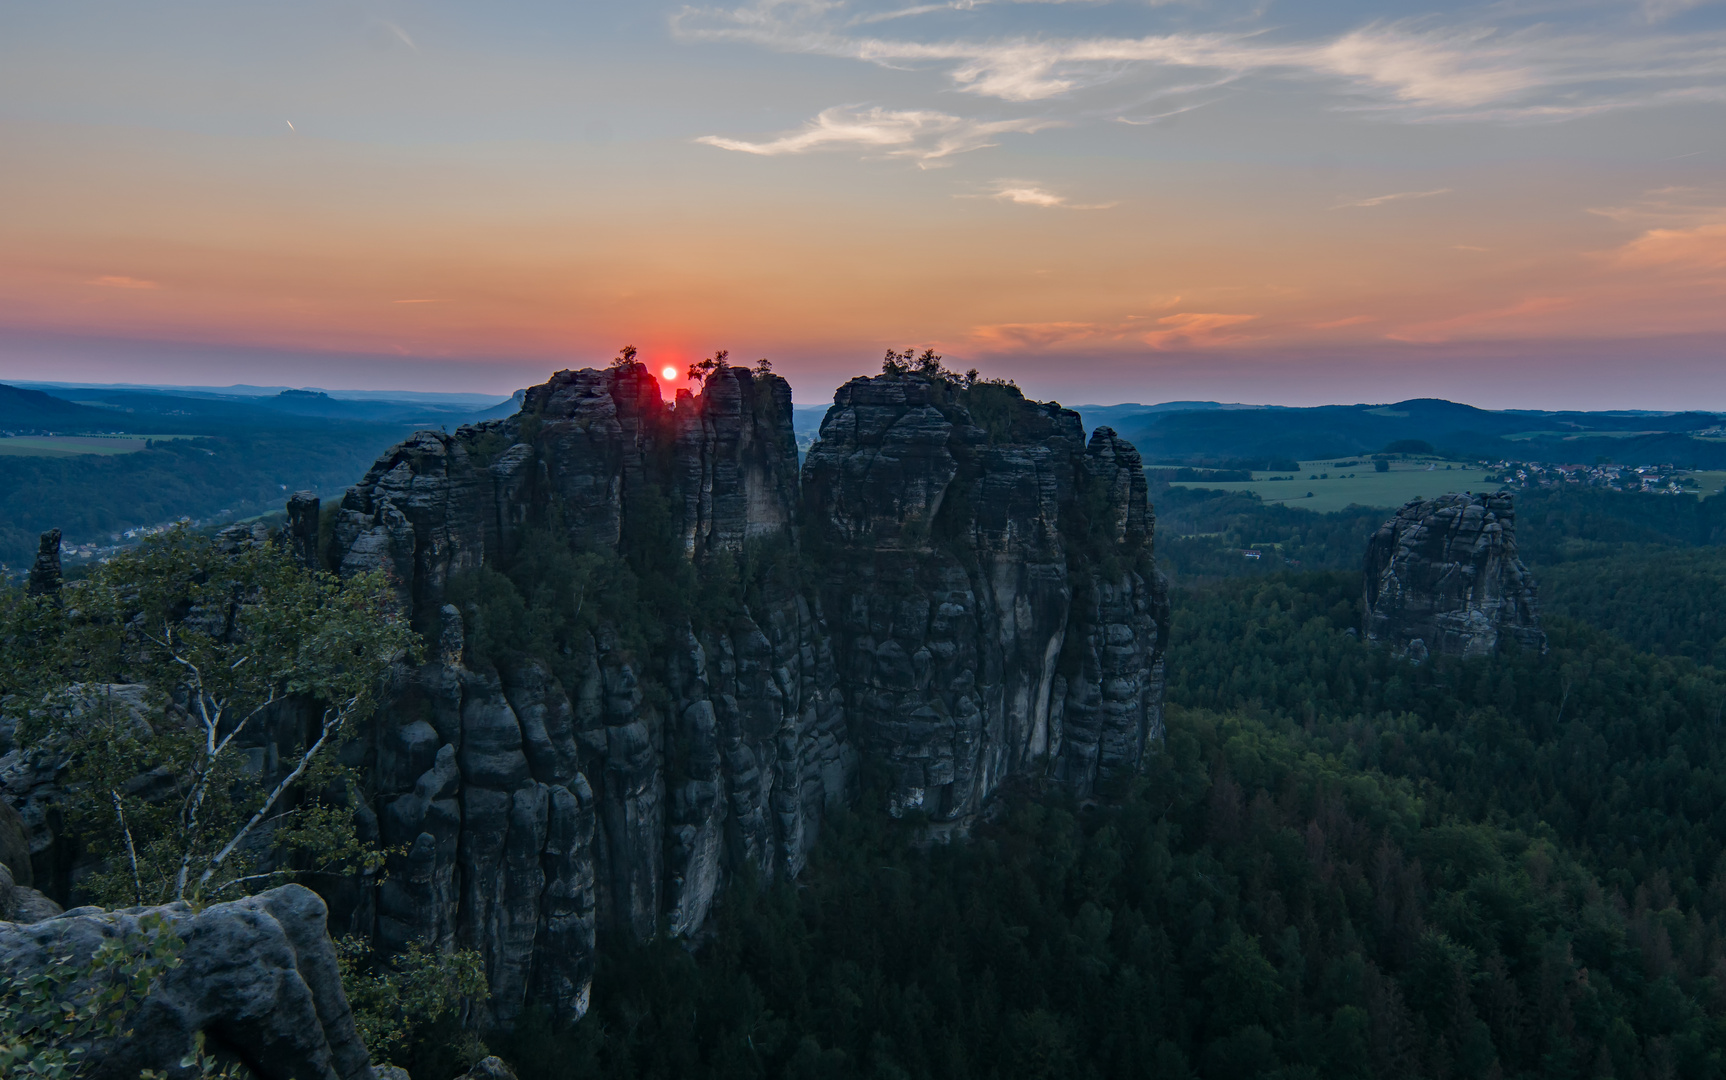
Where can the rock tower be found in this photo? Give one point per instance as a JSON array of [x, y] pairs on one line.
[[1442, 576]]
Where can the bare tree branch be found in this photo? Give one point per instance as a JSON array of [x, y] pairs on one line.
[[330, 728], [131, 849]]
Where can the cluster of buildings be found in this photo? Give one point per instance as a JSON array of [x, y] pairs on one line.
[[1656, 479]]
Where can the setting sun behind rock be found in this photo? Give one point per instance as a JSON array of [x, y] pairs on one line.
[[668, 373]]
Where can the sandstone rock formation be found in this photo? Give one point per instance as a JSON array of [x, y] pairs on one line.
[[955, 590], [989, 587], [1442, 576], [45, 571], [986, 608], [258, 976], [540, 798], [19, 903]]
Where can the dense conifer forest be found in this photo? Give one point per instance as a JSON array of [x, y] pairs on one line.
[[1341, 865]]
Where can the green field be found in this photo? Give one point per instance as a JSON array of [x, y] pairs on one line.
[[1710, 482], [1357, 483], [74, 445]]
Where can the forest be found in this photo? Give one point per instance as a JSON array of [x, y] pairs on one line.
[[1341, 864]]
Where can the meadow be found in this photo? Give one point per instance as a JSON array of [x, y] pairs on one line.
[[75, 445], [1332, 484]]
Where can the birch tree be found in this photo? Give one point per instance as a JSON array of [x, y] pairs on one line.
[[198, 698]]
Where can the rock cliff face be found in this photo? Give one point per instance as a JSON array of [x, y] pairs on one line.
[[1442, 576], [570, 761], [258, 976], [989, 587]]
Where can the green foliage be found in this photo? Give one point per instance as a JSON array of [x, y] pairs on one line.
[[162, 679], [1669, 601], [1554, 526], [413, 1007], [1201, 533], [241, 470], [1340, 865], [50, 1019]]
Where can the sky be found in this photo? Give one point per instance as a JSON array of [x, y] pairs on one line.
[[1510, 204]]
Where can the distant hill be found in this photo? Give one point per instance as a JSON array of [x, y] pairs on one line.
[[1203, 435], [32, 410]]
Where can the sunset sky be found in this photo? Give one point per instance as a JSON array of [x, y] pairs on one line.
[[1512, 204]]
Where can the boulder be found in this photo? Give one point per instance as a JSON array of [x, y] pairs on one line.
[[257, 977]]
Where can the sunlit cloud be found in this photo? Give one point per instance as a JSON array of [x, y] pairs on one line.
[[1039, 335], [1700, 248], [1196, 329], [1422, 69], [1027, 193], [922, 135], [419, 301], [115, 281], [1380, 200], [1352, 320]]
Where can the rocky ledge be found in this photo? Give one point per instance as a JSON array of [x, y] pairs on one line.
[[258, 977]]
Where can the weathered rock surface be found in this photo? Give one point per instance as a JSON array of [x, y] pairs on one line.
[[989, 588], [982, 607], [19, 903], [536, 809], [45, 571], [1442, 576], [258, 976]]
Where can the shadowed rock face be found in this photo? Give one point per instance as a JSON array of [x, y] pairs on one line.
[[536, 812], [985, 608], [989, 589], [1442, 576], [258, 976]]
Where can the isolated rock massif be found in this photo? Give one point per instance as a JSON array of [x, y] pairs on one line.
[[1443, 576], [955, 591], [987, 580]]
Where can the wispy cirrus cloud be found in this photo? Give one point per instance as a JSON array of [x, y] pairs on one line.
[[117, 281], [1419, 69], [1681, 228], [1380, 200], [1197, 330], [1029, 193], [1039, 335], [923, 135]]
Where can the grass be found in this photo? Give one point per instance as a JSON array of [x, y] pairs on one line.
[[75, 445], [1358, 484], [1711, 481]]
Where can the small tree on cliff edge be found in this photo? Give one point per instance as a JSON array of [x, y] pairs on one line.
[[171, 682], [701, 369], [926, 364]]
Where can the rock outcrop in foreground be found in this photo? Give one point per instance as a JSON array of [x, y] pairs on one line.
[[1442, 576], [257, 976]]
